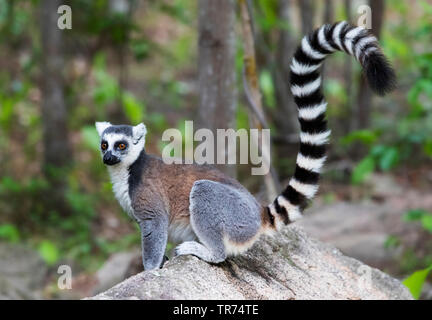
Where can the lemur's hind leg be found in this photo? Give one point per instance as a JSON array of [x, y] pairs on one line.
[[214, 253], [223, 218]]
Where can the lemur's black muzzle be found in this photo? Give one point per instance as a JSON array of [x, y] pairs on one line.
[[110, 159]]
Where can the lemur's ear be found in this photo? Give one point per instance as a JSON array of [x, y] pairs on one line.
[[139, 131], [101, 126]]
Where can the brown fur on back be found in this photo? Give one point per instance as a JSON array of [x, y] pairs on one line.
[[169, 186]]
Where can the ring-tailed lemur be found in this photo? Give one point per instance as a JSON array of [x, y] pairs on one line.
[[214, 215]]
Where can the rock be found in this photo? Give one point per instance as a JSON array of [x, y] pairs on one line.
[[368, 247], [22, 272], [359, 230], [384, 185], [290, 265], [116, 269]]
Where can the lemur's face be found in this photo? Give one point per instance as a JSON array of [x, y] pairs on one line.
[[120, 144]]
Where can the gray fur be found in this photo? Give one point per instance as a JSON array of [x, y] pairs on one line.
[[218, 212], [121, 129], [154, 235]]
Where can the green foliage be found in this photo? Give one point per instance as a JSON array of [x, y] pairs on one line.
[[9, 233], [267, 88], [141, 48], [108, 91], [48, 251], [416, 281], [421, 215], [267, 19], [368, 137], [392, 242], [380, 156], [91, 137], [386, 157], [362, 170], [242, 118], [114, 27], [414, 258], [133, 109], [178, 9]]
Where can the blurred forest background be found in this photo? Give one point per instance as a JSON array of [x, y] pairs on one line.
[[163, 62]]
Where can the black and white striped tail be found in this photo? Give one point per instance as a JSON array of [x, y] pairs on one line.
[[306, 89]]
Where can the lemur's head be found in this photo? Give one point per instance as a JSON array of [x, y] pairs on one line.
[[121, 145]]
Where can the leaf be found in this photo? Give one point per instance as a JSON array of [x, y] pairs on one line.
[[362, 170], [9, 232], [415, 281], [389, 158], [428, 148], [392, 242], [48, 251], [367, 137], [90, 137], [426, 222], [133, 109], [378, 150], [414, 215], [266, 84]]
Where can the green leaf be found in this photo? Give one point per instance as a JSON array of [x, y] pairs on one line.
[[9, 232], [428, 147], [392, 242], [415, 281], [266, 84], [389, 158], [90, 137], [414, 215], [426, 222], [48, 252], [133, 109], [362, 170], [378, 150], [367, 137]]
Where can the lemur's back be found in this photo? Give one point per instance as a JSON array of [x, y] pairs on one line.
[[172, 184]]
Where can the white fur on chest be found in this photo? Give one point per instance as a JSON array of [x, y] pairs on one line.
[[120, 181]]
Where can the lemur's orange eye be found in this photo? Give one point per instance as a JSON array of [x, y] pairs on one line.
[[122, 146], [104, 146]]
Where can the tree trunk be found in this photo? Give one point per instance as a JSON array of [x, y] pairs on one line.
[[364, 98], [216, 67], [287, 124], [328, 11], [57, 153], [307, 12]]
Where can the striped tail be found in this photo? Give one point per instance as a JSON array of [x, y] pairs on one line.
[[306, 89]]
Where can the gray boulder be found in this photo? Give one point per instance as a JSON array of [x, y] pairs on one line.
[[116, 269], [290, 265], [22, 273]]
